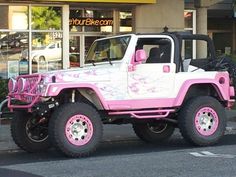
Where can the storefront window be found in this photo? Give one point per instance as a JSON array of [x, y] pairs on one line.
[[91, 20], [46, 52], [188, 19], [15, 55], [14, 17], [46, 18], [75, 15], [125, 21], [11, 46], [190, 27], [74, 51], [101, 21]]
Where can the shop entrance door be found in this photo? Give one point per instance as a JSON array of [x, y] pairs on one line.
[[75, 51], [79, 46]]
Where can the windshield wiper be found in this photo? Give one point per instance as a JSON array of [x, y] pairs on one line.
[[108, 57], [91, 61], [109, 60]]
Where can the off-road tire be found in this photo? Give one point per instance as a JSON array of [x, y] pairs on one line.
[[154, 133], [61, 129], [194, 128], [19, 134]]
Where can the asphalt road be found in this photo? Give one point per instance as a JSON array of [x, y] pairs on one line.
[[129, 157]]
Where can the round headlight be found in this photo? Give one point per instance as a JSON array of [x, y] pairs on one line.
[[12, 87], [21, 84]]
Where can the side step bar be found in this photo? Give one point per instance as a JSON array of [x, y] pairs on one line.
[[145, 114]]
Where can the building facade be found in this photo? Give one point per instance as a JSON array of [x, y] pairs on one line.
[[39, 36]]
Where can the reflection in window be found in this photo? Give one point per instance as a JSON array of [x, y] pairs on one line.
[[74, 51], [188, 19], [188, 49], [108, 49], [14, 44], [46, 18], [91, 20], [14, 17], [75, 15], [99, 14], [13, 40], [46, 51], [125, 21], [11, 46]]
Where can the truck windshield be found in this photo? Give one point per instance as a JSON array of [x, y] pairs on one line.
[[108, 49]]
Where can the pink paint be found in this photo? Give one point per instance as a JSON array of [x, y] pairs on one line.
[[35, 99], [166, 69], [131, 68], [12, 85], [231, 91], [61, 86], [145, 103], [223, 84], [91, 73], [140, 56], [140, 104], [222, 89], [220, 83], [206, 121], [79, 130], [26, 91], [21, 85], [159, 113], [137, 58]]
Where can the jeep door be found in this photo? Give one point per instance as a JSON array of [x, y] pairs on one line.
[[154, 78]]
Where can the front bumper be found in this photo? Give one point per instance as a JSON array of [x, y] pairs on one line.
[[24, 94]]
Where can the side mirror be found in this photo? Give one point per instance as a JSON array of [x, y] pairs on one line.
[[140, 55]]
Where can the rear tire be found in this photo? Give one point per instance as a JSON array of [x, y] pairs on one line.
[[76, 129], [28, 134], [202, 121], [154, 132]]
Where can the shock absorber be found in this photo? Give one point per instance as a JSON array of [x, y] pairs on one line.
[[73, 96]]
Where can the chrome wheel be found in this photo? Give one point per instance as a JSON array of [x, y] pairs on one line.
[[206, 121]]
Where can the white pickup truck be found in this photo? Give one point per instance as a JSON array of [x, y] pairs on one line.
[[51, 52]]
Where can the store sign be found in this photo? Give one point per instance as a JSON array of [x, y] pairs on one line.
[[91, 22], [102, 1]]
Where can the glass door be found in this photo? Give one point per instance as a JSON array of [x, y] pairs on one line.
[[75, 51]]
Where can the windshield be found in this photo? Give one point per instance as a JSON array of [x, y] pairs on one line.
[[108, 49]]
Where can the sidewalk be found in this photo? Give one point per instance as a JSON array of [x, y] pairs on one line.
[[111, 133]]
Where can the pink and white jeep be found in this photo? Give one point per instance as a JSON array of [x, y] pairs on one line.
[[136, 78]]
